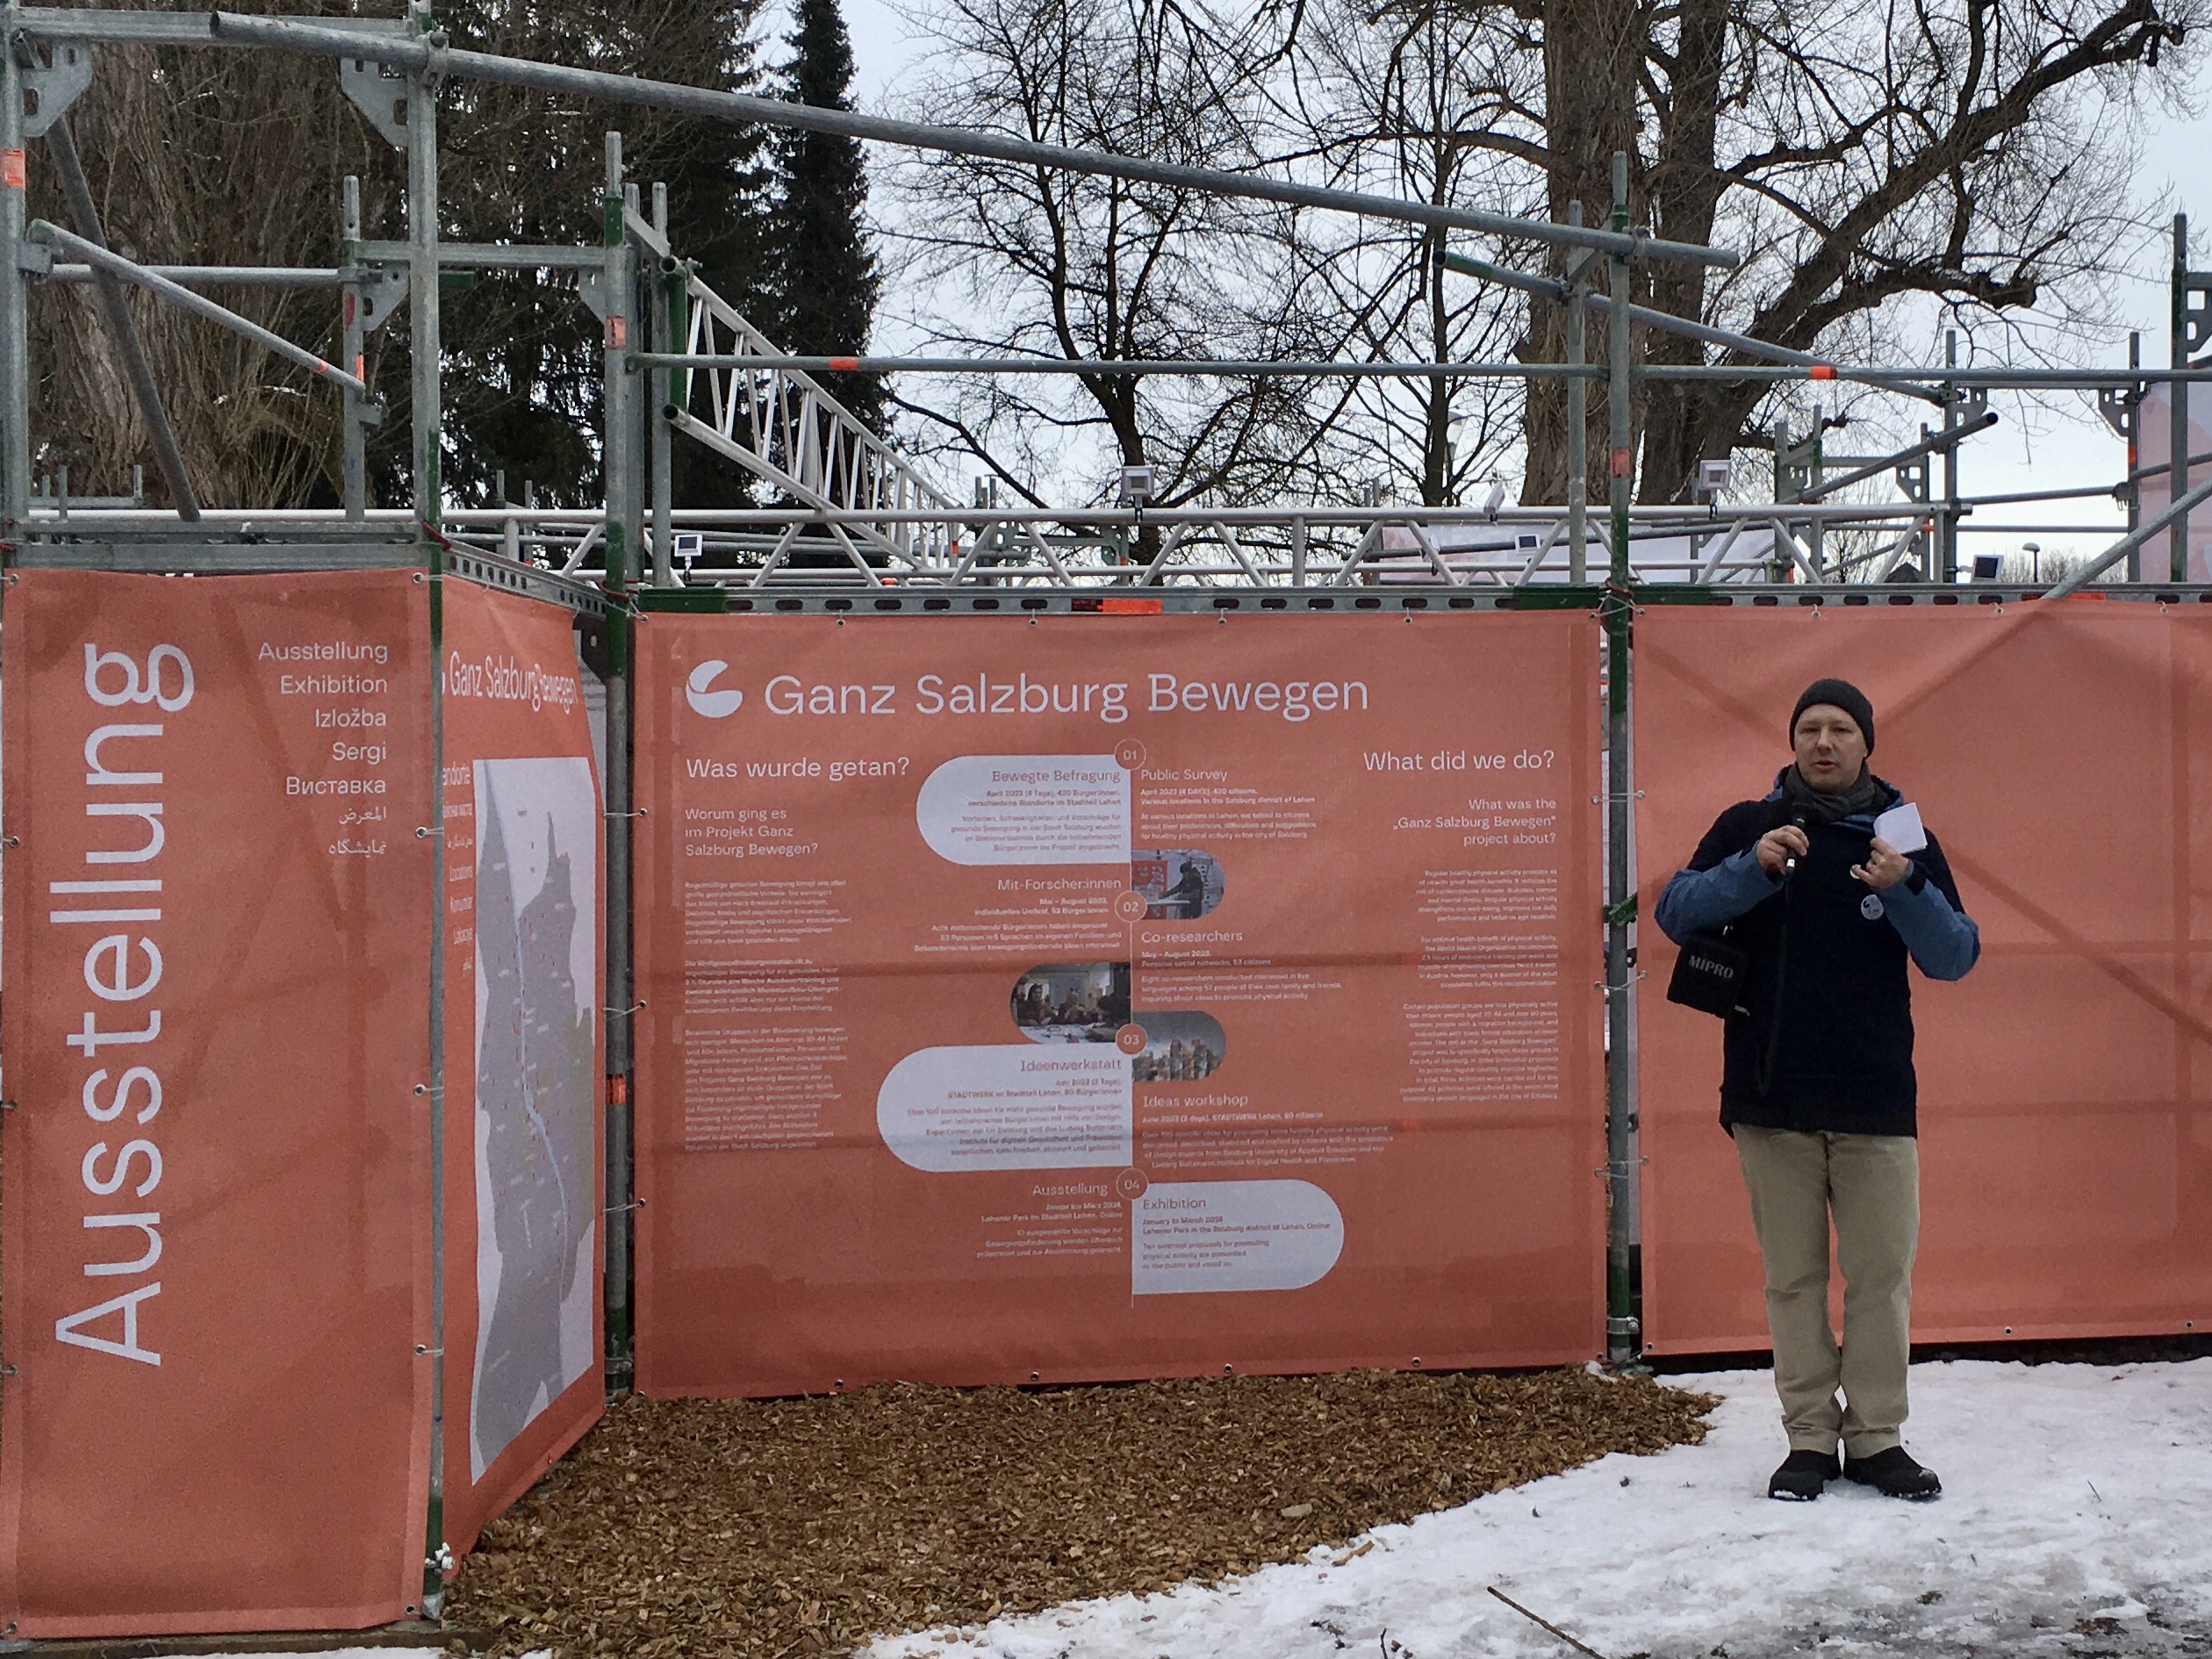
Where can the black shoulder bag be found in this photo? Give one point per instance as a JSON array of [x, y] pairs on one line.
[[1711, 975]]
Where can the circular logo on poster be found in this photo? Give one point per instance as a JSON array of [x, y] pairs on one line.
[[716, 705]]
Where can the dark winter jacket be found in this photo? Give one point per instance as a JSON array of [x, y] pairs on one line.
[[1828, 1043]]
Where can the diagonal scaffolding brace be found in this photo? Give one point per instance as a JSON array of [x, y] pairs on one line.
[[102, 259], [430, 56]]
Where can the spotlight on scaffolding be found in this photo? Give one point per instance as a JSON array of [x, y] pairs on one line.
[[1714, 476], [1136, 488]]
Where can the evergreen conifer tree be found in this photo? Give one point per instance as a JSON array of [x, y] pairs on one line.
[[821, 267]]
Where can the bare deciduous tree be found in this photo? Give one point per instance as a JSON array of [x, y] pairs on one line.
[[1974, 155], [1408, 104], [1028, 261]]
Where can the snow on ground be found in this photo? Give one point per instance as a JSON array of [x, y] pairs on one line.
[[2076, 1520]]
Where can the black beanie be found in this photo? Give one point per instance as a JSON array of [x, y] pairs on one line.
[[1837, 694]]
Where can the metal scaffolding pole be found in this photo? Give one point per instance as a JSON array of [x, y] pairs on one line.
[[1226, 368], [116, 311], [353, 439], [222, 275], [425, 342], [424, 349], [1619, 614], [92, 254], [1902, 380], [2178, 349], [229, 29], [618, 448], [1577, 424], [1946, 442], [618, 267], [2177, 512], [15, 342], [1947, 522], [664, 306], [2134, 436]]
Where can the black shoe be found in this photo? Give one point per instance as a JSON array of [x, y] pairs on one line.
[[1802, 1476], [1893, 1473]]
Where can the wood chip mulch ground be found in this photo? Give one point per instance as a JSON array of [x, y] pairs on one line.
[[781, 1527]]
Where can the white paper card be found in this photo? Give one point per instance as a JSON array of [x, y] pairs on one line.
[[1902, 827]]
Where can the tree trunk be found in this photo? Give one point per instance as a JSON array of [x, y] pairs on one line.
[[1593, 51], [1686, 421]]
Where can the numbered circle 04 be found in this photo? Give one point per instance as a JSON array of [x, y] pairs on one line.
[[1131, 1183]]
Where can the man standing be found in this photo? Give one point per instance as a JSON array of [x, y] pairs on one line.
[[1817, 1086]]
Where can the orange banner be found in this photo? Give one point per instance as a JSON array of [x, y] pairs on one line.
[[219, 893], [524, 1167], [1045, 998], [2060, 754]]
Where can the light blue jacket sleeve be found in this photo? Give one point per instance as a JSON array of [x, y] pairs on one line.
[[1697, 899], [1942, 940]]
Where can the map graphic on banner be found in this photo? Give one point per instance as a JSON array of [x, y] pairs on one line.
[[536, 1231]]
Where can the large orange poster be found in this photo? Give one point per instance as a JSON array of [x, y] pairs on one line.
[[2062, 756], [523, 903], [1105, 997], [219, 883]]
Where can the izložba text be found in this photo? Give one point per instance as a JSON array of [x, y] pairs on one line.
[[1108, 701]]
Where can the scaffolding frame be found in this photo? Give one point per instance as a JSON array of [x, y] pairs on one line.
[[676, 359]]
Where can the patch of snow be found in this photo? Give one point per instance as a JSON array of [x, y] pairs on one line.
[[2072, 1523]]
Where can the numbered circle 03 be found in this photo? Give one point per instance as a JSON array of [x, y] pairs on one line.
[[1131, 1039]]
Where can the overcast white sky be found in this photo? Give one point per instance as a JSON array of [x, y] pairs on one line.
[[2051, 448]]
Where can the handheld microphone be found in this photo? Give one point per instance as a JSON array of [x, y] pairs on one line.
[[1789, 865]]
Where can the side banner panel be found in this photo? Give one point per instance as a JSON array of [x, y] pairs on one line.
[[216, 1246], [1094, 997], [2060, 754], [524, 1169]]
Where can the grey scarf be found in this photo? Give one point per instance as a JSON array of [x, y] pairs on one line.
[[1867, 795]]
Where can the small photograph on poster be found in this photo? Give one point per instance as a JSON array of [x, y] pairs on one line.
[[1179, 1047], [1071, 1001], [1179, 884], [536, 1085]]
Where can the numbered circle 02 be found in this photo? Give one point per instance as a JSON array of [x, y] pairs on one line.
[[1131, 1039], [1131, 1183], [1131, 906], [1129, 754]]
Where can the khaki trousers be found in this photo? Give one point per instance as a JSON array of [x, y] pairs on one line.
[[1870, 1184]]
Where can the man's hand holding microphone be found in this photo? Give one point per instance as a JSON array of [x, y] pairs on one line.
[[1779, 850]]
